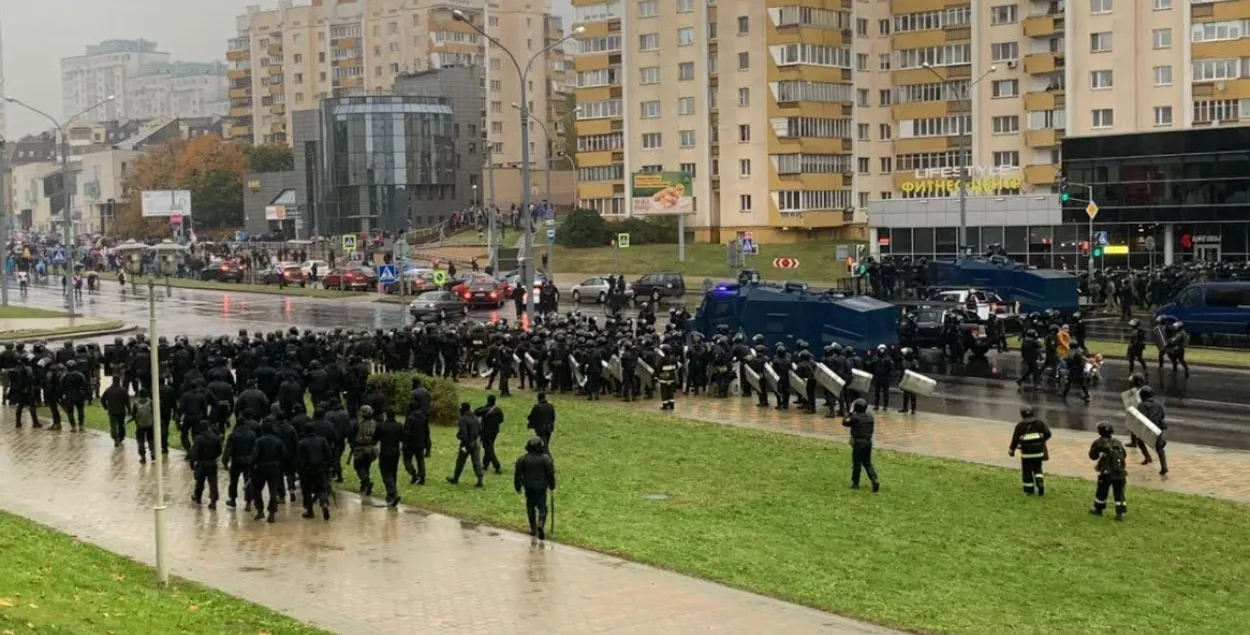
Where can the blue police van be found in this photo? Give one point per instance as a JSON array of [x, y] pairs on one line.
[[1210, 309]]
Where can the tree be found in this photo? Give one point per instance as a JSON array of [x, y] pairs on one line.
[[207, 166], [269, 157]]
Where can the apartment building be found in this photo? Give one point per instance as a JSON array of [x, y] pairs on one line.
[[794, 115], [289, 58]]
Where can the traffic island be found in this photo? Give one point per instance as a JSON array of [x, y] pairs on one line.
[[19, 323], [309, 291]]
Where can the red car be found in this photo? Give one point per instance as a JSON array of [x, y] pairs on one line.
[[354, 278], [481, 291]]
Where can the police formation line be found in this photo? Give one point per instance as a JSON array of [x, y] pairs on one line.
[[262, 382]]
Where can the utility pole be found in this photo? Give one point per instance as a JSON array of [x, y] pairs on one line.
[[4, 233], [158, 510]]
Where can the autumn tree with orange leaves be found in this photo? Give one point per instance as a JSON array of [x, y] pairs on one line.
[[212, 169]]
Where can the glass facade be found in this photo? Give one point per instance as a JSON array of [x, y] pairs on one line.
[[385, 161]]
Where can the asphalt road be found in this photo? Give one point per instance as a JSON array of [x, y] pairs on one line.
[[1206, 408]]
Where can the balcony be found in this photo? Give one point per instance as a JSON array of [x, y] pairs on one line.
[[275, 69], [1041, 174], [278, 126], [1047, 138], [240, 111], [238, 73], [1042, 63], [236, 132], [240, 93], [277, 109], [236, 55], [822, 219], [1044, 100], [1043, 25]]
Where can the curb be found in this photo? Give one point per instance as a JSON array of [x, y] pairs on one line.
[[1116, 357], [72, 336]]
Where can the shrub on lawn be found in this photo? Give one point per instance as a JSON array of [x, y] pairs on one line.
[[587, 228], [444, 395]]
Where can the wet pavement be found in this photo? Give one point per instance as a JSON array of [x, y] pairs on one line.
[[1205, 409], [371, 570]]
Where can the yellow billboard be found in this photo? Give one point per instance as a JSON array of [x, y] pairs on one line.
[[981, 181]]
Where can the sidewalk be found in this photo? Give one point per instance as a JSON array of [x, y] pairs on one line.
[[1195, 469], [48, 327], [370, 570]]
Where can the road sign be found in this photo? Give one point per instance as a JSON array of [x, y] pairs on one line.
[[551, 235], [1116, 250], [786, 263], [1100, 238], [386, 274], [58, 257], [622, 240], [349, 243], [748, 245], [1091, 210]]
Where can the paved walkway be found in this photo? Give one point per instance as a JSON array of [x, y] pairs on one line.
[[373, 571]]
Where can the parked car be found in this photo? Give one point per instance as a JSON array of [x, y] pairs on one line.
[[510, 280], [283, 273], [437, 306], [231, 270], [323, 267], [460, 281], [596, 290], [482, 291], [355, 277], [654, 286]]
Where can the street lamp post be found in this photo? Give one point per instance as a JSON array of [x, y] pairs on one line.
[[4, 234], [550, 162], [965, 145], [527, 264], [491, 230], [68, 227]]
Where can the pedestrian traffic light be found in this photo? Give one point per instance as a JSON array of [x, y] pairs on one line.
[[1098, 251], [1064, 197], [1084, 248]]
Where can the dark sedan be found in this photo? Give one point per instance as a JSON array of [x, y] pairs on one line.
[[287, 274], [225, 271], [481, 291], [355, 278], [438, 306]]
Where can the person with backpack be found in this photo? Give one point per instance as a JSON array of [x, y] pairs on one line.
[[1112, 471], [1030, 437], [364, 448], [145, 425]]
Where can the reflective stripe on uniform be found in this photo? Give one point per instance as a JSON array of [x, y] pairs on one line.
[[1035, 455], [1032, 436]]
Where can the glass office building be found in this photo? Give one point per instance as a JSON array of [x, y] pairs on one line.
[[383, 162], [1188, 189]]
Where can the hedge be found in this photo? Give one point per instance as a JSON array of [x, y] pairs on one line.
[[587, 228], [444, 395]]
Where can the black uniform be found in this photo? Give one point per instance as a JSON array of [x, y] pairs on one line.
[[542, 420], [1154, 411], [205, 452], [1030, 437], [390, 436], [1112, 474], [492, 421], [313, 457], [267, 456], [417, 434], [535, 473], [238, 457], [469, 435], [116, 401], [861, 425], [364, 450]]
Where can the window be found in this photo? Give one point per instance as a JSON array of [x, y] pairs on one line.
[[1216, 70], [744, 202], [883, 27], [685, 36], [1103, 118], [887, 165], [649, 41], [652, 140], [814, 54], [883, 62], [1006, 88], [1100, 6], [1163, 76], [863, 132], [685, 106], [496, 85], [688, 168], [649, 109], [1100, 42], [648, 9], [1007, 159], [861, 27], [1218, 110], [744, 97], [744, 133], [861, 62], [1163, 115], [744, 25], [685, 71], [886, 132], [685, 6], [685, 138], [948, 55], [1162, 38], [1163, 5], [744, 167], [884, 97], [1004, 51], [299, 59], [861, 97], [299, 78], [744, 61], [1100, 79], [1219, 31], [650, 75], [862, 164], [930, 20], [496, 127], [1004, 14], [1006, 124]]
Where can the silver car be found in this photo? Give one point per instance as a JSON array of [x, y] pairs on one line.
[[595, 290]]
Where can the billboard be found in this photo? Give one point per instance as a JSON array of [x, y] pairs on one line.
[[275, 212], [166, 203], [658, 193]]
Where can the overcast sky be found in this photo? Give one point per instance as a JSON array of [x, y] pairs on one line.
[[38, 33]]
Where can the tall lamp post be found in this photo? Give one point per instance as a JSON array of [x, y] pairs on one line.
[[68, 225], [572, 166], [527, 260], [4, 234], [550, 162], [965, 145]]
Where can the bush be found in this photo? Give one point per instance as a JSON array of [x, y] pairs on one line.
[[587, 228], [444, 395]]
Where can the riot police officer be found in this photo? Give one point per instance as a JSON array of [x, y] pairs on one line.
[[1030, 437], [861, 425]]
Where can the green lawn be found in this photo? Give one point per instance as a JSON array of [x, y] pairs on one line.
[[947, 547], [56, 584], [29, 334], [272, 289], [1217, 356], [816, 261], [22, 312]]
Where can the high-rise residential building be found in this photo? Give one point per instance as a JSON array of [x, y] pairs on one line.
[[143, 82], [793, 115], [178, 89], [291, 57]]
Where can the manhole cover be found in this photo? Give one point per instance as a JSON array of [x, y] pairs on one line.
[[655, 497]]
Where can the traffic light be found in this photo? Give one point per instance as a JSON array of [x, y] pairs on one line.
[[1084, 248], [1098, 251], [1064, 197]]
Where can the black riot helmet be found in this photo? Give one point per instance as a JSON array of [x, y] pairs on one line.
[[1146, 392], [1105, 430], [859, 406], [1027, 412]]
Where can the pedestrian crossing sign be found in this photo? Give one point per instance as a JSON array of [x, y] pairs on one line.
[[748, 245], [386, 274]]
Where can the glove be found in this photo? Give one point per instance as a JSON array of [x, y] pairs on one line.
[[427, 453], [463, 450], [1011, 453]]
